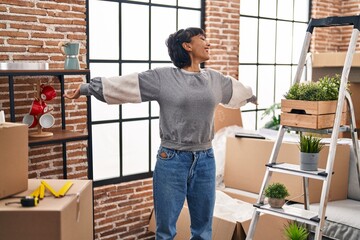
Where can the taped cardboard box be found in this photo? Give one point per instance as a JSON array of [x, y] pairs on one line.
[[245, 168], [332, 63], [225, 117], [231, 221], [13, 158], [66, 218]]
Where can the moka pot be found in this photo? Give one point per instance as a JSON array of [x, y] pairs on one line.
[[71, 51]]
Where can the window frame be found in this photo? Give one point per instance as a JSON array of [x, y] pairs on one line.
[[256, 109], [120, 61]]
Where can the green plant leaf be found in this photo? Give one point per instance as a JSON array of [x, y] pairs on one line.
[[310, 144], [326, 89], [276, 190], [295, 231]]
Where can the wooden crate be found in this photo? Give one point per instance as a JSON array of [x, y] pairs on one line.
[[310, 114]]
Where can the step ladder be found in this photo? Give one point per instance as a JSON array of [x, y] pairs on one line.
[[316, 219]]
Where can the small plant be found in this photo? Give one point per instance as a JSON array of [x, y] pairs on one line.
[[274, 123], [295, 231], [310, 144], [326, 89], [276, 190]]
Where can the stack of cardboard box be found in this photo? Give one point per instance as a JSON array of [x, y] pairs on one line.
[[66, 218]]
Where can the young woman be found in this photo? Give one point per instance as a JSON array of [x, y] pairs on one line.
[[187, 96]]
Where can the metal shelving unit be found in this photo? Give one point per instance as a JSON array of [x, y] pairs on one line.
[[62, 136]]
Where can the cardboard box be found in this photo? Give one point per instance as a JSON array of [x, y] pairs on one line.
[[241, 195], [66, 218], [332, 63], [231, 221], [245, 168], [225, 117], [355, 97], [13, 158]]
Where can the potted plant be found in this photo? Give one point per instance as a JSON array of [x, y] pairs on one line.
[[312, 104], [276, 194], [310, 147], [295, 231], [326, 89]]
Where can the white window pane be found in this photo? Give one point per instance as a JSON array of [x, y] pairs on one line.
[[128, 68], [104, 41], [268, 8], [249, 7], [265, 86], [139, 0], [155, 141], [249, 120], [106, 158], [165, 2], [283, 42], [248, 40], [155, 109], [160, 31], [100, 110], [283, 82], [135, 32], [262, 121], [247, 75], [267, 41], [158, 65], [298, 40], [301, 12], [190, 3], [285, 9], [135, 147], [188, 18]]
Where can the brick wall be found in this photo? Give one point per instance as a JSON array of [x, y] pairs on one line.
[[333, 39], [222, 30], [31, 30]]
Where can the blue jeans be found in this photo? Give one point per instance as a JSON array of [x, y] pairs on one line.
[[179, 175]]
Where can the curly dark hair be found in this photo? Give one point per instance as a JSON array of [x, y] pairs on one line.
[[178, 55]]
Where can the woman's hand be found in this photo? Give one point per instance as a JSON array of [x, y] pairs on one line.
[[73, 94], [253, 100]]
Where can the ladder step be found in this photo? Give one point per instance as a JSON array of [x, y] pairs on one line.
[[294, 169], [343, 128], [292, 213]]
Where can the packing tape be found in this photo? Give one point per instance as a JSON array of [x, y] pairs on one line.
[[2, 116]]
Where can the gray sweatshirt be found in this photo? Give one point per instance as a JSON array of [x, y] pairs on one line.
[[187, 100]]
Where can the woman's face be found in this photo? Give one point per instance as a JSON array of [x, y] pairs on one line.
[[198, 49]]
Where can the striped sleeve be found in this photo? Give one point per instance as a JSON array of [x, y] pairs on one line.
[[240, 94], [121, 89]]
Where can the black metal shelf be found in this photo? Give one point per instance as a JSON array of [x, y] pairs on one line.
[[61, 136]]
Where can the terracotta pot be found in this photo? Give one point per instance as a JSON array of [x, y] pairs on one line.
[[276, 202]]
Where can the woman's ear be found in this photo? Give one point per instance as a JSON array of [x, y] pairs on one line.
[[186, 46]]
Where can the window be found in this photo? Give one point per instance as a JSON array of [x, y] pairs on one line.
[[125, 37], [271, 37]]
